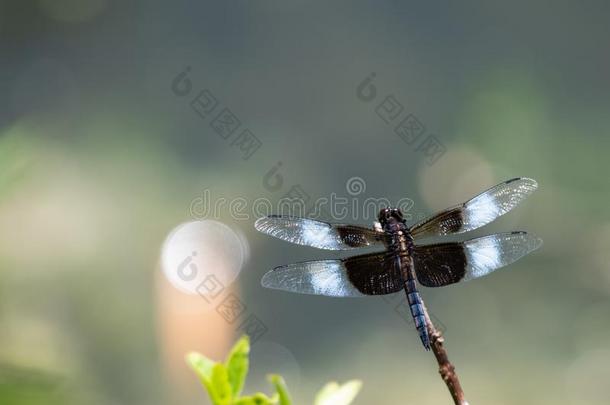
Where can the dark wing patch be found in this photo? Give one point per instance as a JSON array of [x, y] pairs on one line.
[[357, 236], [371, 274], [479, 211], [445, 222], [447, 263], [440, 264], [318, 234], [375, 273]]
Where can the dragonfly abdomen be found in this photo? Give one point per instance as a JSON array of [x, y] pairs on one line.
[[416, 306]]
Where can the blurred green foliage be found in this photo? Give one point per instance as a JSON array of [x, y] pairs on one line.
[[24, 386], [225, 381]]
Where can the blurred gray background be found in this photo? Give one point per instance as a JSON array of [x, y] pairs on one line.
[[101, 156]]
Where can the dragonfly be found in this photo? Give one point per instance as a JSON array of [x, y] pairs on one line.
[[405, 262]]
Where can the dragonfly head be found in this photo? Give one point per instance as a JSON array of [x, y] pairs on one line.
[[388, 215]]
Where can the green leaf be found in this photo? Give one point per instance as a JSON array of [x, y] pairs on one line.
[[335, 394], [257, 399], [237, 365], [225, 381], [214, 377], [203, 368], [222, 388], [281, 389]]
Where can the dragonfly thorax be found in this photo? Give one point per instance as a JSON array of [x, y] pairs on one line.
[[392, 222]]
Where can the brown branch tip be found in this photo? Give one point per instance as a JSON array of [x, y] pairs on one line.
[[445, 368]]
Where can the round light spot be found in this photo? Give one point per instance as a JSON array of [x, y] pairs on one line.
[[203, 257], [268, 357], [461, 174]]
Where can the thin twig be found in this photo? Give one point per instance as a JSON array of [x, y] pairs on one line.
[[445, 368]]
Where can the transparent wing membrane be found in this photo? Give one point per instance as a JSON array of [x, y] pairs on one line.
[[447, 263], [370, 274], [478, 211], [321, 235]]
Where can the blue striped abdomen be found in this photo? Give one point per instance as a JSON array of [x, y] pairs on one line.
[[417, 311]]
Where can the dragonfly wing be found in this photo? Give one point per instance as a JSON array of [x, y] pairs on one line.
[[357, 276], [447, 263], [478, 211], [318, 234]]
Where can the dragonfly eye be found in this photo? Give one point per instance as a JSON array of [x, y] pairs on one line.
[[384, 215], [396, 213]]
